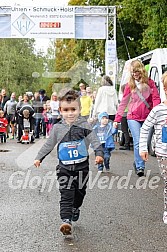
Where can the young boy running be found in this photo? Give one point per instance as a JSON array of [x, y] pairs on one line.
[[105, 131], [158, 119], [73, 136]]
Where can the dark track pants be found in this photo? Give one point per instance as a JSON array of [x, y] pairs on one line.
[[72, 187]]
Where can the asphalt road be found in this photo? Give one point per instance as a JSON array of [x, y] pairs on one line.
[[120, 212]]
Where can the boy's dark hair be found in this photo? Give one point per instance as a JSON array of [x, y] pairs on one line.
[[69, 95]]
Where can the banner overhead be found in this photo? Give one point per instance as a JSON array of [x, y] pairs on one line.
[[42, 22], [79, 22]]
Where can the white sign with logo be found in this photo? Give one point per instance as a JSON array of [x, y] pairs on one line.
[[111, 59], [42, 22]]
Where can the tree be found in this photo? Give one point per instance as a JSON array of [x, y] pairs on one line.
[[72, 69], [151, 16], [91, 51], [18, 62]]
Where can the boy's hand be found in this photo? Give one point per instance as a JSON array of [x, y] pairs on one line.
[[99, 160], [144, 155], [37, 163], [115, 125]]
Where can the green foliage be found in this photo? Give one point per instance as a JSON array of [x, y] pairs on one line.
[[143, 24], [18, 62], [72, 70], [151, 16], [77, 2]]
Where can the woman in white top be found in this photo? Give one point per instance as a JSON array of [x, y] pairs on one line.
[[54, 104], [106, 99]]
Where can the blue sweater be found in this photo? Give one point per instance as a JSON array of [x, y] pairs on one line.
[[105, 134]]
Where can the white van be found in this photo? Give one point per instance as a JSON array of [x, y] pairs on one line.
[[155, 62]]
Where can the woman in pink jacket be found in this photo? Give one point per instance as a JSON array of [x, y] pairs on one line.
[[140, 95]]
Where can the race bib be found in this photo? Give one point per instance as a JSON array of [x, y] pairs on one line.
[[164, 134], [72, 152], [102, 136]]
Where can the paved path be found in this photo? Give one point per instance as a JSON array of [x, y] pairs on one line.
[[116, 216]]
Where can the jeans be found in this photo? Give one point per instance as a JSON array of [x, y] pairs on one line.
[[3, 137], [134, 127], [107, 155], [37, 126]]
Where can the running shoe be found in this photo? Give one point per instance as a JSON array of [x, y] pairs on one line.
[[66, 227]]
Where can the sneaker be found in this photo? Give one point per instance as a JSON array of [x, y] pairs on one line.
[[75, 214], [124, 148], [140, 172], [100, 167], [165, 217], [12, 137], [66, 227]]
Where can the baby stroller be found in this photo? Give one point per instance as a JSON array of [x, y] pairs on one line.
[[26, 125], [28, 136]]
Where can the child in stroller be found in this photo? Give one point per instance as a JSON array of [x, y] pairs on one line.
[[26, 125], [28, 136]]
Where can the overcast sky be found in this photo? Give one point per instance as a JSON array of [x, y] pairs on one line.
[[34, 2]]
